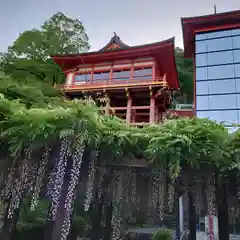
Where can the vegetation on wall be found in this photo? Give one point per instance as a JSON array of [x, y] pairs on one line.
[[185, 74], [162, 234]]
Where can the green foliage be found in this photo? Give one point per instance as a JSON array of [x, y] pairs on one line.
[[58, 35], [81, 220], [31, 93], [162, 234], [32, 219], [37, 218], [185, 74], [29, 56], [177, 144], [21, 69]]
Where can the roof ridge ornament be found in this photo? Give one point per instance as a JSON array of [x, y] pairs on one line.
[[215, 9], [114, 44]]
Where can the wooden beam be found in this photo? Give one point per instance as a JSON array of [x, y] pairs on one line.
[[133, 108], [142, 114]]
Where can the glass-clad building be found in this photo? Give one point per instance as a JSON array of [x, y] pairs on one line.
[[217, 60]]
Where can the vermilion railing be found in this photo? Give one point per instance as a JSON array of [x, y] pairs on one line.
[[113, 82]]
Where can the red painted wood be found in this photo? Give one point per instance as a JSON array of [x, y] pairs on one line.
[[163, 52], [152, 110], [211, 227], [129, 109], [214, 22]]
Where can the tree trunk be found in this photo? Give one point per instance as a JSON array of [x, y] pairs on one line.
[[223, 221], [108, 228], [192, 217], [48, 229], [177, 230], [9, 224], [96, 213]]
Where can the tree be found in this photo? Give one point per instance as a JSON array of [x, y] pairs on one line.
[[29, 56], [185, 73], [58, 35]]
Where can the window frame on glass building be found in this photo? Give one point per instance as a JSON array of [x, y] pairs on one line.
[[217, 62]]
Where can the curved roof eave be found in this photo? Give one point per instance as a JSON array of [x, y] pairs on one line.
[[98, 53]]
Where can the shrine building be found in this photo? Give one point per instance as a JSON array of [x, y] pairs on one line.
[[213, 41], [137, 81]]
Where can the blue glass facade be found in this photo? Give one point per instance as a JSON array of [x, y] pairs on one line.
[[217, 57]]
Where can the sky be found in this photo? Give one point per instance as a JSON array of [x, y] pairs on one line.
[[135, 21]]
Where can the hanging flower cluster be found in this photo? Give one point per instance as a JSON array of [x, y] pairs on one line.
[[90, 182], [61, 164], [20, 182], [74, 177], [171, 192], [117, 204], [133, 186], [210, 195], [39, 179], [161, 193], [198, 197]]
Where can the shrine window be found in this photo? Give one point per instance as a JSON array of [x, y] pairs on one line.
[[121, 74], [142, 74], [101, 76], [82, 77]]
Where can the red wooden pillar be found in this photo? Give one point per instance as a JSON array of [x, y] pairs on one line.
[[129, 107], [152, 107]]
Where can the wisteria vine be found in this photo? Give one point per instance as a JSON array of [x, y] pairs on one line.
[[61, 164], [74, 177]]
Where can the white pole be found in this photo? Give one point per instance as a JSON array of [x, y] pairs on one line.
[[181, 214]]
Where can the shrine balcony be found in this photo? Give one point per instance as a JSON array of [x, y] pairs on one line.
[[109, 84]]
